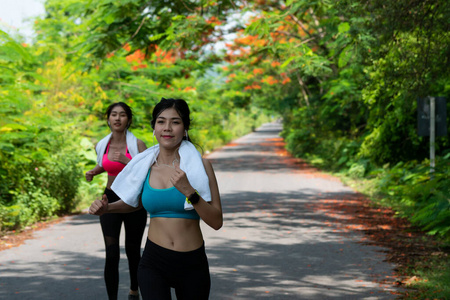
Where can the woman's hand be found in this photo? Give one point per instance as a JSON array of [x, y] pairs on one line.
[[90, 175], [99, 207], [120, 157], [95, 171], [181, 182]]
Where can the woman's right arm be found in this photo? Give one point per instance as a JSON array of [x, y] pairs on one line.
[[95, 171], [100, 207]]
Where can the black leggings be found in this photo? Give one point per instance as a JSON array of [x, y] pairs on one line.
[[135, 223], [161, 268]]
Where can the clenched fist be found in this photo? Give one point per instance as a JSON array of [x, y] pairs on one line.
[[89, 175], [99, 207], [120, 157]]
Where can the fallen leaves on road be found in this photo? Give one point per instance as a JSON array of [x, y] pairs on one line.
[[14, 239], [405, 245]]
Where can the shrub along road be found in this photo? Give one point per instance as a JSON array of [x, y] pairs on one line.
[[290, 232]]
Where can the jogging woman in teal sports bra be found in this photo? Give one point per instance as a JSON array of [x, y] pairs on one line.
[[178, 188], [114, 152]]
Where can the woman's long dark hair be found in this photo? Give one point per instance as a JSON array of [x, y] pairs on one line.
[[179, 105]]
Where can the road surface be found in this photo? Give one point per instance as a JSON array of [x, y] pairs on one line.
[[273, 245]]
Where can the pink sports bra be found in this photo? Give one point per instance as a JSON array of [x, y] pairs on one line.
[[113, 167]]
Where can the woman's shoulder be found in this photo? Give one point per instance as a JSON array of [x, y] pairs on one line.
[[141, 145], [207, 164], [103, 142]]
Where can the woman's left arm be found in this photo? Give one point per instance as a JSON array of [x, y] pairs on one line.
[[209, 212]]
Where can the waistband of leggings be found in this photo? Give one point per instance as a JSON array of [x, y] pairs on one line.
[[112, 197], [159, 248]]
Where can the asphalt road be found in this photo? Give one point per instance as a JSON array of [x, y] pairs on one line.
[[273, 245]]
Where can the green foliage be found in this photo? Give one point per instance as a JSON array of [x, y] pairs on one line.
[[415, 193], [432, 278], [344, 75], [38, 178], [355, 70], [52, 108]]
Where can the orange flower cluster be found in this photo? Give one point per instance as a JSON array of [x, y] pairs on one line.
[[254, 86], [165, 57], [214, 21], [138, 56], [189, 88], [275, 64], [127, 47], [286, 79], [250, 40], [140, 66], [258, 71], [270, 80]]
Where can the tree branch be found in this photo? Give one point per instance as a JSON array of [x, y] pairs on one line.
[[134, 34]]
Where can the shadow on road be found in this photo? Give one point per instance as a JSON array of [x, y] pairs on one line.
[[287, 250], [276, 243]]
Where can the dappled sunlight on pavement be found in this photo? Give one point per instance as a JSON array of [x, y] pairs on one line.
[[281, 237], [290, 232]]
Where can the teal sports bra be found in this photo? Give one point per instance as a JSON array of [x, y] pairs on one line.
[[165, 203]]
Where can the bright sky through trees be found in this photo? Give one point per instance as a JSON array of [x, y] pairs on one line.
[[15, 15]]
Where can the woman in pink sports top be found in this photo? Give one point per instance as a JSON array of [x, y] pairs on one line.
[[114, 159]]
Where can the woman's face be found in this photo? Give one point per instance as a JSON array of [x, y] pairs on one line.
[[169, 128], [118, 119]]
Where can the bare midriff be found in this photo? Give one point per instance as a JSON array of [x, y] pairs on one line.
[[110, 181], [176, 234]]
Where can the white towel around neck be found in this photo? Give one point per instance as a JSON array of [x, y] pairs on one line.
[[131, 144], [128, 184]]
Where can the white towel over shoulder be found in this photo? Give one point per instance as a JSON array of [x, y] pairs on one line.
[[128, 184], [101, 146]]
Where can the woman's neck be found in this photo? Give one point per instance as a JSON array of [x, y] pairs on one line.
[[168, 156], [119, 137]]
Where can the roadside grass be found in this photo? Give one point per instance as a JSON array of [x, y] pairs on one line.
[[422, 260], [429, 279], [425, 269]]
